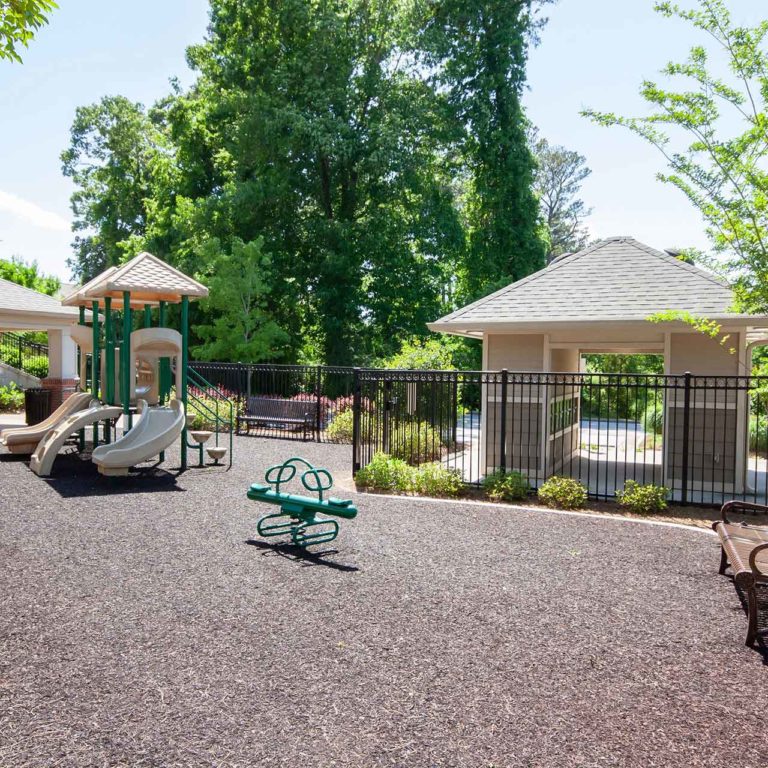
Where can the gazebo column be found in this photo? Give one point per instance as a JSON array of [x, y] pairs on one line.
[[62, 379]]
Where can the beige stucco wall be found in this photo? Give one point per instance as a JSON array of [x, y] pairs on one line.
[[516, 352], [703, 356]]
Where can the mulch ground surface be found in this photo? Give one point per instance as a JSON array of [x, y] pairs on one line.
[[142, 623]]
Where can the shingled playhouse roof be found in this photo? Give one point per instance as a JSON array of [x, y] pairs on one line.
[[148, 279], [616, 280]]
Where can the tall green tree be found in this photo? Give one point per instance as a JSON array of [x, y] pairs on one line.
[[239, 282], [19, 21], [722, 112], [560, 173], [329, 135], [478, 50], [115, 152]]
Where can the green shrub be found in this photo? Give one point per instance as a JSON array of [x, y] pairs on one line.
[[340, 429], [505, 486], [385, 473], [36, 366], [653, 418], [436, 480], [11, 398], [416, 443], [563, 493], [643, 499]]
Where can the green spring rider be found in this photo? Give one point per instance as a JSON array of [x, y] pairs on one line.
[[298, 514]]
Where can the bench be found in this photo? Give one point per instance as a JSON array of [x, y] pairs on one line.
[[271, 410], [744, 547]]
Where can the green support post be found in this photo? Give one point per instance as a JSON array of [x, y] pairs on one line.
[[95, 365], [109, 365], [125, 362], [147, 316], [164, 368], [184, 362], [81, 434], [165, 363]]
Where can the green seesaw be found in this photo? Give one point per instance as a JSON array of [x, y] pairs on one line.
[[298, 514]]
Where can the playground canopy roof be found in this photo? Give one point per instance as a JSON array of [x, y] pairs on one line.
[[616, 280], [147, 278]]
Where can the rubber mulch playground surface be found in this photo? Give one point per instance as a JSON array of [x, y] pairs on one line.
[[141, 624]]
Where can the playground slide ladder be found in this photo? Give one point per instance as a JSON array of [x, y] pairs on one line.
[[216, 408]]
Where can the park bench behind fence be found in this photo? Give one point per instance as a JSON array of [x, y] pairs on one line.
[[276, 412]]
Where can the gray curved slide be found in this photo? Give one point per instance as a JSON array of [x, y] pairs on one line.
[[25, 439], [48, 448], [156, 430]]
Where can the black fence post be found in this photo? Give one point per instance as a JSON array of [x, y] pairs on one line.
[[319, 398], [356, 421], [503, 430], [686, 442]]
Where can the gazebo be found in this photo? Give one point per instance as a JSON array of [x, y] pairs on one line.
[[599, 300], [22, 309]]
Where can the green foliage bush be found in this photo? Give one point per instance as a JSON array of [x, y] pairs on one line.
[[340, 429], [563, 493], [653, 418], [11, 398], [385, 473], [643, 499], [416, 443], [437, 480], [505, 486], [36, 366]]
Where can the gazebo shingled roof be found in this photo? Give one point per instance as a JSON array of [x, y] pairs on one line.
[[615, 280]]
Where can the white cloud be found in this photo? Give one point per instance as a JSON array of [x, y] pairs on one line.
[[32, 213]]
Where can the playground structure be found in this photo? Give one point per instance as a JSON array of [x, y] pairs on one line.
[[156, 429], [144, 367], [128, 370], [298, 514], [24, 440]]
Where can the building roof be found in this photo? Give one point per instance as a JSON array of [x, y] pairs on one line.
[[17, 300], [617, 279], [147, 278]]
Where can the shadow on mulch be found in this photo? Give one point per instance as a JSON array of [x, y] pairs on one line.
[[74, 475], [13, 458], [301, 555]]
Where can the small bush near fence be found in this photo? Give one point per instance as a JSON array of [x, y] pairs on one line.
[[643, 499], [563, 493], [35, 366], [416, 443], [11, 398], [437, 480], [505, 486], [386, 473], [340, 429]]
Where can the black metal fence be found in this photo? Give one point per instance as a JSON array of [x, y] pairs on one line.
[[19, 352], [326, 390], [703, 437]]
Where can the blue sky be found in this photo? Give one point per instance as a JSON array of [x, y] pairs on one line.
[[593, 53]]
